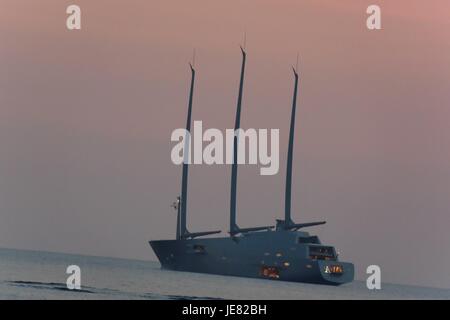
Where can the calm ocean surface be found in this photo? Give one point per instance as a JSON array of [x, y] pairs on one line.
[[41, 275]]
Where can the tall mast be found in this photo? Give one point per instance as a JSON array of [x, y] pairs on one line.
[[182, 231], [184, 180], [233, 226], [287, 200], [287, 223]]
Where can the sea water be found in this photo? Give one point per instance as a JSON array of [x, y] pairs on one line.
[[42, 275]]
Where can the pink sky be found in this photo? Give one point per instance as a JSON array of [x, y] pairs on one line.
[[86, 117]]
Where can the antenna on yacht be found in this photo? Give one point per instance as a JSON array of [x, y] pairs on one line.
[[176, 206]]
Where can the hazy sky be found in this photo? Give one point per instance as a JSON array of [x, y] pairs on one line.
[[86, 118]]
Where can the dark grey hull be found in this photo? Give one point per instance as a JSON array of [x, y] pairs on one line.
[[277, 255]]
